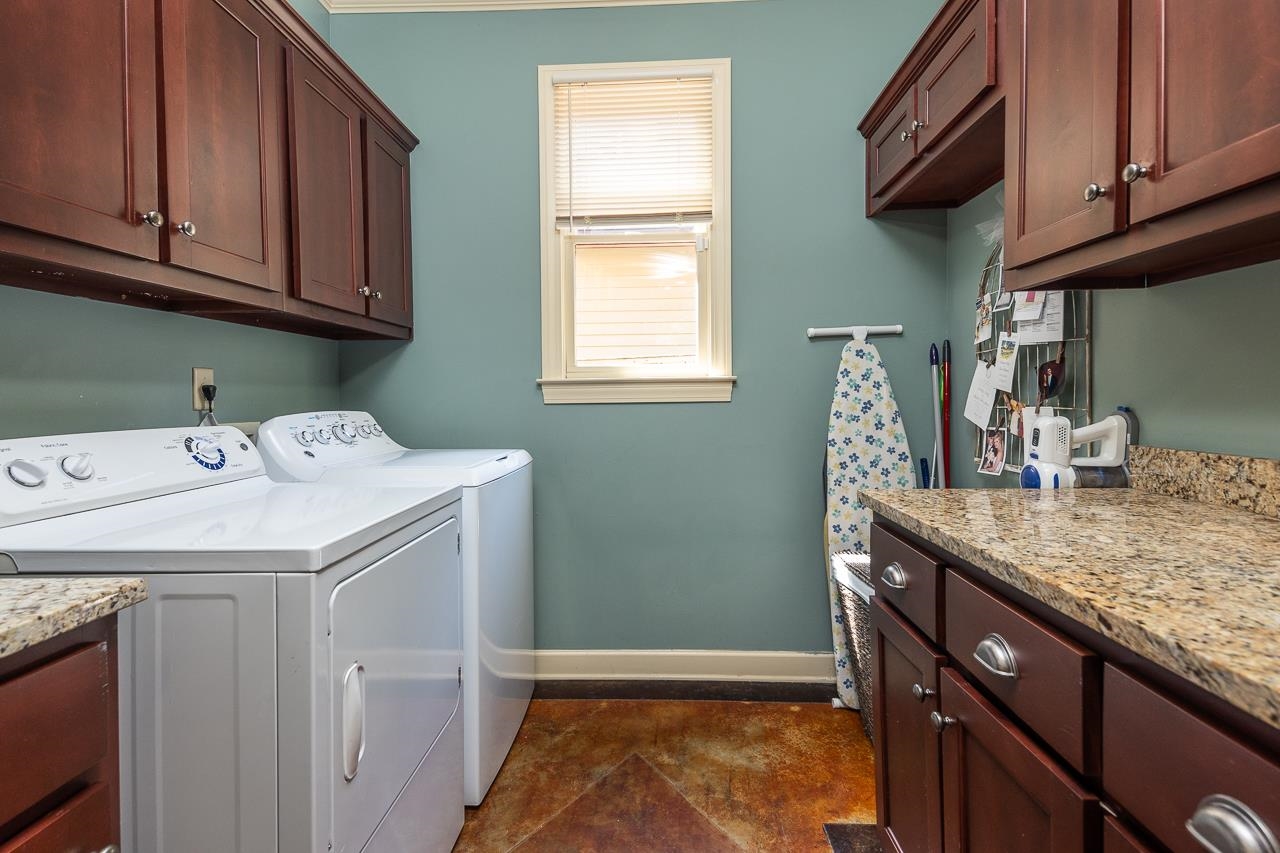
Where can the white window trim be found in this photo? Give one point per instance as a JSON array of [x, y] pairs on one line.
[[563, 383]]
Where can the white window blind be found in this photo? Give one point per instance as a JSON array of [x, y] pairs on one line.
[[634, 151]]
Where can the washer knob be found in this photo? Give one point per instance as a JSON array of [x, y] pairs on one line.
[[324, 436], [77, 466], [376, 430], [305, 437], [364, 430], [345, 433], [26, 473]]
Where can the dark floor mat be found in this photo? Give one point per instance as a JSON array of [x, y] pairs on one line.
[[852, 837]]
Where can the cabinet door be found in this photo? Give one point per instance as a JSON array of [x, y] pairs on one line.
[[1002, 792], [1206, 100], [223, 88], [908, 772], [1063, 126], [964, 68], [893, 144], [78, 133], [387, 234], [327, 184]]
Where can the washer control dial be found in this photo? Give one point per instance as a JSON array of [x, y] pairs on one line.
[[377, 430], [364, 430], [77, 466], [26, 473], [324, 435], [305, 437], [206, 452], [344, 433]]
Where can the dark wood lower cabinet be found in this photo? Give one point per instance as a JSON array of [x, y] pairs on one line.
[[1000, 790], [1118, 838], [908, 769]]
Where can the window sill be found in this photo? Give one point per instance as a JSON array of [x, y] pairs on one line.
[[664, 389]]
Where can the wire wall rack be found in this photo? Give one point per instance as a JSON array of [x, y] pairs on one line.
[[1075, 397]]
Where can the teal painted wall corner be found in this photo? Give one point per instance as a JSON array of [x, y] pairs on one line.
[[658, 526], [1191, 358], [315, 14]]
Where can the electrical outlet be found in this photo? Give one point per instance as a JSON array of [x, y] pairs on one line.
[[200, 376]]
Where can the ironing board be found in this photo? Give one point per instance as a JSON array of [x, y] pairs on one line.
[[866, 448]]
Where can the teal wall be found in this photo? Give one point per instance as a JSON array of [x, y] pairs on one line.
[[1192, 358], [658, 526], [76, 365], [316, 15]]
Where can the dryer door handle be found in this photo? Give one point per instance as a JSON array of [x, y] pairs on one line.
[[352, 720]]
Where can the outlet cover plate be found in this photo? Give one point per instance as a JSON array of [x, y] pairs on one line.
[[200, 376]]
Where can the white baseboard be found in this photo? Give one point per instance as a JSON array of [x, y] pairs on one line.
[[682, 665]]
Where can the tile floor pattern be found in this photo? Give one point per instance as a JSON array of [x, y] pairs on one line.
[[647, 775]]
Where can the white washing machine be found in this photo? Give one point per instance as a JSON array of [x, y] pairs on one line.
[[497, 556], [293, 681]]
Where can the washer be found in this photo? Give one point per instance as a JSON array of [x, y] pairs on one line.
[[293, 681], [497, 555]]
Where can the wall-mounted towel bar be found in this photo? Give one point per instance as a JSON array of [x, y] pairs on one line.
[[859, 332]]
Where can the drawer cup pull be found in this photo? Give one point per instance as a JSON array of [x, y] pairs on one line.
[[921, 692], [997, 658], [894, 577], [1223, 824]]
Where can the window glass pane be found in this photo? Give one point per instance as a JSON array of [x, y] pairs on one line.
[[635, 304]]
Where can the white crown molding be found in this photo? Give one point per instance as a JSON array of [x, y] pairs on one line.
[[347, 7], [683, 665]]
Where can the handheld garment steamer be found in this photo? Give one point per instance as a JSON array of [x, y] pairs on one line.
[[1050, 464]]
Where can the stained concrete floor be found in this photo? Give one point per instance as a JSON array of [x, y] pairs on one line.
[[646, 775]]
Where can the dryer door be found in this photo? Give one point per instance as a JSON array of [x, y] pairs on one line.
[[395, 649]]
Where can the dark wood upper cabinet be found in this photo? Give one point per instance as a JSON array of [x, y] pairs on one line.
[[223, 74], [963, 69], [908, 768], [78, 121], [1063, 127], [388, 236], [1206, 101], [326, 180], [1002, 792], [892, 147]]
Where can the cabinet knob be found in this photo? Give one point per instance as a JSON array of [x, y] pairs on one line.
[[893, 576], [940, 721], [996, 656], [377, 294], [365, 291], [905, 135], [188, 229], [1093, 192], [917, 125], [154, 218], [1133, 172], [1225, 825], [921, 692]]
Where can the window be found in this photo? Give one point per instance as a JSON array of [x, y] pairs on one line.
[[635, 232]]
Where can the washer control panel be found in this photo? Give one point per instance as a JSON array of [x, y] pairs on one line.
[[56, 475], [300, 447]]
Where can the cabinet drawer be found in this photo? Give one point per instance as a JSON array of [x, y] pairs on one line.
[[57, 722], [909, 579], [888, 153], [82, 823], [1161, 761], [1116, 838], [963, 70], [1053, 682]]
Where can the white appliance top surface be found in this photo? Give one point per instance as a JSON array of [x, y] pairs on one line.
[[250, 525], [351, 447]]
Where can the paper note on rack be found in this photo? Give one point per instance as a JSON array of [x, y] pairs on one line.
[[1028, 306], [982, 395], [1048, 329], [1001, 375]]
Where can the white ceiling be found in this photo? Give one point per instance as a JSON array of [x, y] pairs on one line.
[[349, 6]]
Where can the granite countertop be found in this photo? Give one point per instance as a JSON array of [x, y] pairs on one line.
[[1193, 587], [35, 609]]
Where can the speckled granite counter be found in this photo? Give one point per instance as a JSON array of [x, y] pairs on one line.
[[33, 610], [1192, 587]]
